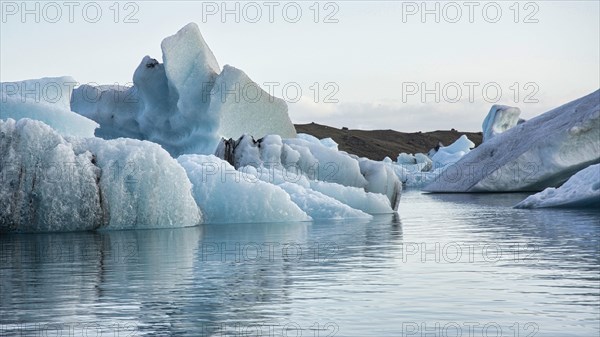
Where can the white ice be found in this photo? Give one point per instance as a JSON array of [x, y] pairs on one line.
[[539, 153], [581, 190], [47, 100]]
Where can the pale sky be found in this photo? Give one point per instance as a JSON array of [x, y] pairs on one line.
[[374, 58]]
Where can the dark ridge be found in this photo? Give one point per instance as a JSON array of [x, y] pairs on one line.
[[378, 144]]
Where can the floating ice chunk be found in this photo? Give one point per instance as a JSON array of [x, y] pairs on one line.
[[416, 171], [542, 152], [581, 190], [462, 144], [47, 100], [229, 196], [50, 183], [446, 155], [499, 119]]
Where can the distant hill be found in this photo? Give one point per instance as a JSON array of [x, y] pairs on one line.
[[377, 144]]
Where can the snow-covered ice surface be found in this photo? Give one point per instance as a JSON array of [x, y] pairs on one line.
[[581, 190], [52, 183], [539, 153], [185, 104], [48, 100], [499, 119]]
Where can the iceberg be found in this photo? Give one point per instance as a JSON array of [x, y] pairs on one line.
[[185, 104], [539, 153], [55, 183], [499, 119], [103, 157], [581, 190], [418, 170], [451, 154], [47, 100]]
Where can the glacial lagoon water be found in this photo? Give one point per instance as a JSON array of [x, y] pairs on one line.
[[447, 265]]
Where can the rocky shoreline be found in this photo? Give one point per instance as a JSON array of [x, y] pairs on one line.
[[378, 144]]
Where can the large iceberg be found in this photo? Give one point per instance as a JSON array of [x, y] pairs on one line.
[[185, 104], [57, 175], [539, 153], [581, 190], [499, 119], [52, 183], [48, 100]]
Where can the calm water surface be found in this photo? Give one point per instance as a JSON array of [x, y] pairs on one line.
[[447, 265]]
